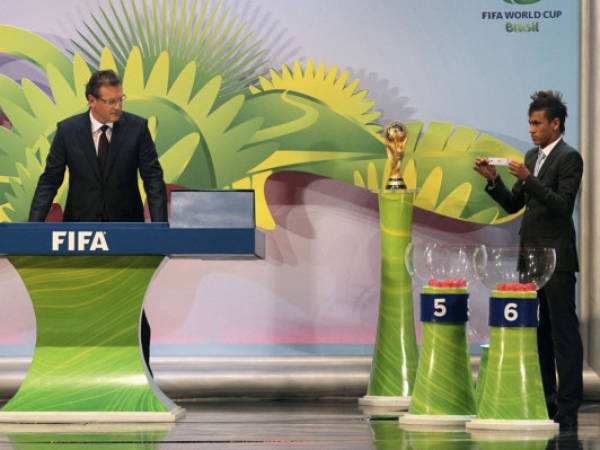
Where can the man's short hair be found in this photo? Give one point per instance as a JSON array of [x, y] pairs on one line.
[[99, 79], [552, 104]]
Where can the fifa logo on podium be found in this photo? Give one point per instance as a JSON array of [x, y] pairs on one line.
[[79, 241]]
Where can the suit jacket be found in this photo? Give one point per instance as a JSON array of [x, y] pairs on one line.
[[111, 196], [549, 200]]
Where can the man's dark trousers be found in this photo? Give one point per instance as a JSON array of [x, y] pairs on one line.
[[559, 339]]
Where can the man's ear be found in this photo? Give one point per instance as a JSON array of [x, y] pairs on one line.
[[555, 124]]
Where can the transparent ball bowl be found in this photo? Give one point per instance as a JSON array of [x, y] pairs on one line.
[[505, 265], [445, 261]]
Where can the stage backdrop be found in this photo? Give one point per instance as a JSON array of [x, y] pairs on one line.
[[288, 99]]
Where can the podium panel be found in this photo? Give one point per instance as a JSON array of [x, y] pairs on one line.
[[87, 283]]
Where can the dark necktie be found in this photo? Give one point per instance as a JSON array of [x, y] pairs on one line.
[[103, 148]]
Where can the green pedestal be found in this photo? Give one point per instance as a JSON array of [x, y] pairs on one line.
[[444, 391], [485, 351], [395, 357], [513, 395], [87, 365]]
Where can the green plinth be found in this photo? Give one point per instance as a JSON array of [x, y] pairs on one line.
[[395, 356], [513, 385], [444, 391], [87, 364], [513, 395], [485, 351]]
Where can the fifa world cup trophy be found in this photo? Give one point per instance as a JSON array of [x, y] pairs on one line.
[[395, 135]]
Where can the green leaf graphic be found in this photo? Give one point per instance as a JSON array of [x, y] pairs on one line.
[[210, 37], [443, 159]]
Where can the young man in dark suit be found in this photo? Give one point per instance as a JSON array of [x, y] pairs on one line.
[[104, 148], [547, 185]]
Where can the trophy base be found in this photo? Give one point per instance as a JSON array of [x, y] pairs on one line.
[[396, 183]]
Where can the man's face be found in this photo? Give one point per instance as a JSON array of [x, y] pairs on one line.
[[105, 112], [542, 130]]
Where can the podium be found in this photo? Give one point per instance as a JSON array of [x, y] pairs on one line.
[[87, 283]]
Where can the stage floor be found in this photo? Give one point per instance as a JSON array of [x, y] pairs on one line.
[[318, 424]]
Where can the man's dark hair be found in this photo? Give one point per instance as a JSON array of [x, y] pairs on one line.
[[99, 79], [552, 104]]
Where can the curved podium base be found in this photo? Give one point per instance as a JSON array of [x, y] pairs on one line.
[[384, 400], [501, 424], [431, 419], [88, 365], [91, 416]]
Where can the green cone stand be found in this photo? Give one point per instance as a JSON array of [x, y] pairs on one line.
[[444, 392], [395, 357], [87, 365], [513, 395], [485, 351]]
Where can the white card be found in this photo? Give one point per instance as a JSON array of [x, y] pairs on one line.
[[499, 161]]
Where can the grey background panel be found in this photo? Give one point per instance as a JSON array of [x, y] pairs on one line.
[[212, 209]]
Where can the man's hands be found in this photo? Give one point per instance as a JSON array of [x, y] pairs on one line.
[[518, 170], [483, 166]]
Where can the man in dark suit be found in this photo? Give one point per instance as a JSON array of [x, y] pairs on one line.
[[547, 185], [104, 148]]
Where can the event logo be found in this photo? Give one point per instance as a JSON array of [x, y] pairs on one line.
[[79, 240], [534, 17]]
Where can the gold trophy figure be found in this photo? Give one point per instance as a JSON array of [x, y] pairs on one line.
[[395, 135]]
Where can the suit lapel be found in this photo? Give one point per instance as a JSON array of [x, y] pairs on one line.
[[530, 160], [86, 143], [550, 159], [115, 143]]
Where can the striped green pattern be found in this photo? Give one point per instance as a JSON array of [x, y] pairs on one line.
[[514, 294], [395, 357], [485, 351], [87, 355], [444, 384], [444, 290], [513, 383]]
